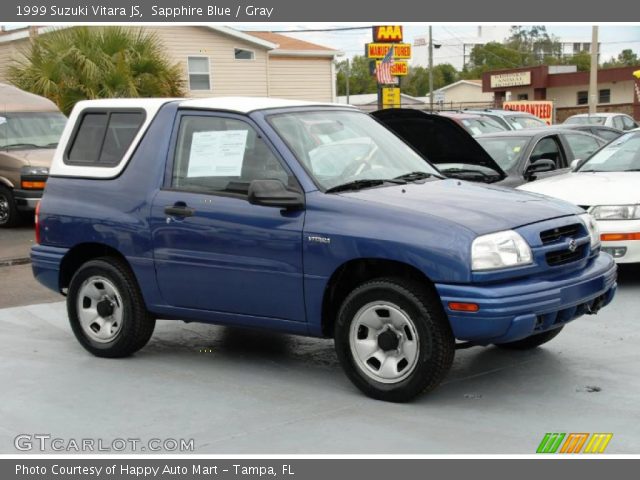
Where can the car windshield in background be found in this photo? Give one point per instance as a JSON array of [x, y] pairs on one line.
[[521, 121], [621, 155], [478, 126], [340, 147], [506, 151], [22, 130], [592, 120]]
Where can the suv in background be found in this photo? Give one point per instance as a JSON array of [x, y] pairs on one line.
[[30, 127], [621, 121], [510, 119]]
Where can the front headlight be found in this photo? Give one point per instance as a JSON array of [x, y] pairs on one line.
[[500, 250], [616, 212], [592, 228], [34, 171]]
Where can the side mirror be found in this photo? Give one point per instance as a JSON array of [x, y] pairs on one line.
[[575, 164], [273, 193], [539, 166]]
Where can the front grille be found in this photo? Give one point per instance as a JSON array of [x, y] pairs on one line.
[[562, 257], [569, 231]]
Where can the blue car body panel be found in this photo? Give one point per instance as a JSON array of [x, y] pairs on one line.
[[241, 264]]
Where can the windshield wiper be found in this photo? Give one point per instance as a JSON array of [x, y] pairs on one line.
[[413, 176], [22, 145], [471, 173], [360, 184]]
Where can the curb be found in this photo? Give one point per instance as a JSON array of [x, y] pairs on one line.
[[9, 262]]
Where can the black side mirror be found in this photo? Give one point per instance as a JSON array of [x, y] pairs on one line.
[[273, 193], [539, 166]]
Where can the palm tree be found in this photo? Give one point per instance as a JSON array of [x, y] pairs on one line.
[[79, 63]]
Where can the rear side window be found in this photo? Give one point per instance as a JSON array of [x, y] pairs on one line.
[[103, 137], [582, 145]]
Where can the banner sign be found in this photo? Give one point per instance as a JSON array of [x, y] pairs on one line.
[[400, 68], [387, 34], [390, 97], [542, 109], [379, 50]]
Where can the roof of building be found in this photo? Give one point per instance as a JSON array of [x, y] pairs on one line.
[[285, 43]]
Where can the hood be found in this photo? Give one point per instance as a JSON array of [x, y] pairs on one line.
[[478, 207], [39, 157], [438, 138], [590, 188]]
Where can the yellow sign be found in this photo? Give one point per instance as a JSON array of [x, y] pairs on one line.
[[379, 50], [542, 109], [387, 33], [513, 79], [399, 68], [637, 74], [390, 97]]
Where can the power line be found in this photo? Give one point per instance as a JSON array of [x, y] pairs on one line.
[[316, 30]]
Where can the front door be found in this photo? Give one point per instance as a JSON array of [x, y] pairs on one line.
[[214, 250]]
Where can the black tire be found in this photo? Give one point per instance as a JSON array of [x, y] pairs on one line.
[[531, 342], [137, 324], [9, 215], [435, 338]]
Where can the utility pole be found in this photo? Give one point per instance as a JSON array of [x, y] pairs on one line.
[[348, 75], [593, 77], [430, 70]]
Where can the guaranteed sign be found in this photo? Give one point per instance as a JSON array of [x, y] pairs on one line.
[[542, 109], [379, 50]]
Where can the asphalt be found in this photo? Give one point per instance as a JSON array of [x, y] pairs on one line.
[[242, 392], [15, 244]]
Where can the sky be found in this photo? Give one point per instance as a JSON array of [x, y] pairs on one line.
[[613, 38]]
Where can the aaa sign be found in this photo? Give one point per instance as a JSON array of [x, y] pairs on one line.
[[387, 33]]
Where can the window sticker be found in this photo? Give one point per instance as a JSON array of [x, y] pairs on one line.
[[217, 153]]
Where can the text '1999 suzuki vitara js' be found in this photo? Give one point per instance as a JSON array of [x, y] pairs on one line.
[[308, 219]]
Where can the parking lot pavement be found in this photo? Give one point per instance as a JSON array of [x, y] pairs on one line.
[[18, 287], [15, 243], [236, 391]]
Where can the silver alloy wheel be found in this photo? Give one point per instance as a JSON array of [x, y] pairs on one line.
[[384, 342], [4, 209], [100, 309]]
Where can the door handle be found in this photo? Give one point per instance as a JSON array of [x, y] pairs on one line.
[[179, 210]]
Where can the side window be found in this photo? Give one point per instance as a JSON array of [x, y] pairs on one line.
[[222, 155], [548, 148], [582, 146], [103, 137], [618, 123], [608, 135], [628, 123]]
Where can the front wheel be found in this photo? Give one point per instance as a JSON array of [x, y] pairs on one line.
[[531, 342], [9, 215], [106, 310], [393, 339]]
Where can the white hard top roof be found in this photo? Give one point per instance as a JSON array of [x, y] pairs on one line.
[[231, 104]]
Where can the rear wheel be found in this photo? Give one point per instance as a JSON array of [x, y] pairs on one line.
[[531, 342], [9, 215], [393, 339], [106, 309]]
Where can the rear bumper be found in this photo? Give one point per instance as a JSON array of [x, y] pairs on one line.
[[510, 311], [26, 200], [45, 264]]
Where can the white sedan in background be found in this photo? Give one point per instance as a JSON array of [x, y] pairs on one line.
[[607, 185]]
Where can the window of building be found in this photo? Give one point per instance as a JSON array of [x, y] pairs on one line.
[[199, 73], [604, 96], [586, 47], [523, 96], [583, 98], [103, 137], [576, 48], [242, 54]]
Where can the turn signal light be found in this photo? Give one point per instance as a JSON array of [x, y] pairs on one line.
[[30, 185], [617, 237], [464, 307]]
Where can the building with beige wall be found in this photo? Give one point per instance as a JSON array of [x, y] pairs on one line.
[[222, 61], [461, 94]]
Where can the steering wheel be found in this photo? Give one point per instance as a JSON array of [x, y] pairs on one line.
[[360, 164]]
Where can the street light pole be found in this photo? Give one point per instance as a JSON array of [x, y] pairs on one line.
[[348, 75], [430, 70], [593, 77]]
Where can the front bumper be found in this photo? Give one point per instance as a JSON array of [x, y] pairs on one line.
[[510, 311], [27, 200]]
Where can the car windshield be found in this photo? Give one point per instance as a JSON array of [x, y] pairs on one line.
[[519, 122], [621, 155], [590, 120], [22, 130], [506, 151], [478, 126], [338, 147]]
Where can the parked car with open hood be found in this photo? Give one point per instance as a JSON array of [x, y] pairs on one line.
[[234, 211], [30, 127], [607, 185]]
